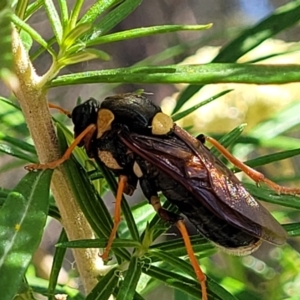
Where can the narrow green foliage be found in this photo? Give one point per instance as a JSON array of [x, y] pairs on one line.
[[128, 286], [281, 19], [270, 158], [99, 243], [56, 265], [96, 10], [21, 8], [105, 287], [54, 20], [196, 74], [75, 13], [64, 14], [292, 229], [75, 33], [18, 143], [272, 197], [114, 17], [142, 32], [33, 8], [87, 54], [22, 220], [188, 111], [6, 59], [14, 151], [176, 247], [33, 33], [229, 138]]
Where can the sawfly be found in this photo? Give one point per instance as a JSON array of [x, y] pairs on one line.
[[132, 137]]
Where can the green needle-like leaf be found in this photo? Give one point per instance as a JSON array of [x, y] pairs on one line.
[[6, 58], [21, 8], [105, 287], [99, 243], [267, 159], [96, 10], [272, 197], [54, 20], [197, 74], [86, 195], [188, 111], [75, 33], [64, 13], [292, 229], [229, 139], [177, 248], [115, 16], [20, 145], [33, 8], [22, 220], [190, 287], [175, 262], [128, 286], [57, 265], [84, 55], [34, 34], [14, 151], [75, 13], [142, 32], [282, 18]]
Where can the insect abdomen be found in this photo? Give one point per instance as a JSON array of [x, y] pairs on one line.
[[230, 238]]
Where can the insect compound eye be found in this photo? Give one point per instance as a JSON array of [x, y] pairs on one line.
[[162, 124], [84, 114]]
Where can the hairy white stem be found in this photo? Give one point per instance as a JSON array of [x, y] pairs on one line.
[[33, 102]]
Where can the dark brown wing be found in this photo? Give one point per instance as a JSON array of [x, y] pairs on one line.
[[189, 162]]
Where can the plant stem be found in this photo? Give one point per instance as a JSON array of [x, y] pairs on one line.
[[33, 102]]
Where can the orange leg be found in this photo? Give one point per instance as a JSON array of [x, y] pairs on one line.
[[187, 242], [66, 112], [85, 135], [170, 217], [117, 215], [253, 174]]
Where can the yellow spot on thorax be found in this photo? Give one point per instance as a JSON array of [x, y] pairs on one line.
[[104, 120], [162, 124]]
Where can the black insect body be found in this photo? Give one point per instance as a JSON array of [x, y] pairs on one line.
[[135, 140], [169, 165], [184, 170], [132, 111], [209, 224]]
